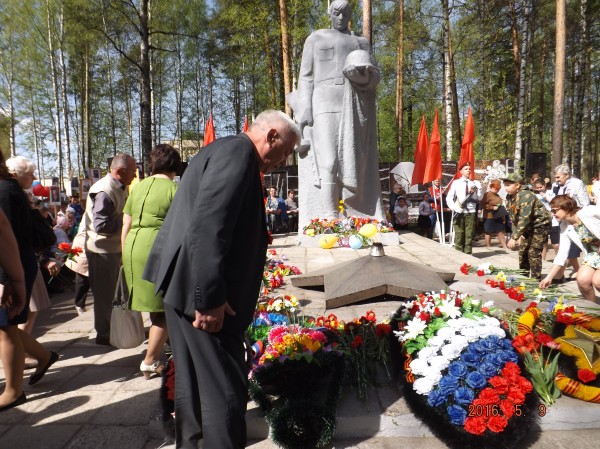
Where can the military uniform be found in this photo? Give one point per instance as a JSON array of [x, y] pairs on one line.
[[531, 220]]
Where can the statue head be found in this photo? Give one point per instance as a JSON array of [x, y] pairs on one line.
[[339, 12]]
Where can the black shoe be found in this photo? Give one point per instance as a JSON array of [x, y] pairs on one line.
[[19, 401], [105, 341], [37, 376]]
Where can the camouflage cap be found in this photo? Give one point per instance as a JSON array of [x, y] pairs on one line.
[[513, 177]]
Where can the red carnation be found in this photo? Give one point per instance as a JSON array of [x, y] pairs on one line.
[[370, 316], [437, 312], [516, 395], [383, 329], [508, 408], [525, 386], [458, 302], [358, 341], [464, 269], [547, 340], [585, 375], [423, 316], [480, 273], [500, 384], [489, 396], [475, 425], [497, 423]]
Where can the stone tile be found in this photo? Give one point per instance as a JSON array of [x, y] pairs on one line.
[[39, 437], [70, 407], [99, 378], [128, 408], [109, 437]]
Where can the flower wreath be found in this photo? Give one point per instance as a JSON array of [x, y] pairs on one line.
[[462, 376], [575, 361], [574, 364]]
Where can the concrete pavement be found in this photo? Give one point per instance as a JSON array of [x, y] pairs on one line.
[[95, 396]]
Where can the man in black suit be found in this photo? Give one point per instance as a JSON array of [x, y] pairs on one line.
[[208, 260]]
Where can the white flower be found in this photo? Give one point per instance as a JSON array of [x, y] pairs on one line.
[[419, 366], [486, 267], [488, 304], [436, 341], [452, 351], [427, 352], [472, 334], [447, 333], [414, 328], [439, 362], [449, 309], [424, 385]]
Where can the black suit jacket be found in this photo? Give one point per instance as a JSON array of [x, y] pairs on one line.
[[212, 245]]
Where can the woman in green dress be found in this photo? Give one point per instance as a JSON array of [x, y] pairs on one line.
[[143, 215]]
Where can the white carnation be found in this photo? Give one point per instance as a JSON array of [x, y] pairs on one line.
[[452, 351], [439, 363], [419, 366]]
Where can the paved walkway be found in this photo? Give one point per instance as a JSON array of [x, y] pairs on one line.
[[96, 397]]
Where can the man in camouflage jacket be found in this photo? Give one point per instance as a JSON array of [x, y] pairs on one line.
[[531, 224]]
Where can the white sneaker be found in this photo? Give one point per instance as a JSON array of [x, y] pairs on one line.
[[80, 310]]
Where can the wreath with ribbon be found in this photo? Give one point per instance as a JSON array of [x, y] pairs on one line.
[[578, 335]]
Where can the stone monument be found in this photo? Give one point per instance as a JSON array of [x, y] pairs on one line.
[[335, 107]]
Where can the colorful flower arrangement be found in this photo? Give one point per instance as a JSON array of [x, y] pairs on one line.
[[366, 345], [343, 226], [275, 271], [462, 372]]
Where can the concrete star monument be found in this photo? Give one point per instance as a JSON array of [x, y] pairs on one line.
[[371, 276]]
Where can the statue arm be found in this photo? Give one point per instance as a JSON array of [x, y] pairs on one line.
[[306, 83]]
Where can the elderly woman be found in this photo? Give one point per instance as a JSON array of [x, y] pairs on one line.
[[13, 341], [23, 171], [143, 215], [580, 227]]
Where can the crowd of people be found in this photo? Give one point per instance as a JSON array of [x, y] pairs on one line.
[[529, 217], [185, 256], [187, 261], [282, 215]]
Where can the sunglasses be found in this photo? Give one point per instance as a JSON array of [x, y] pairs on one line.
[[554, 211]]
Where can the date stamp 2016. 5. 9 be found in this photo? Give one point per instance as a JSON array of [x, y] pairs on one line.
[[490, 410]]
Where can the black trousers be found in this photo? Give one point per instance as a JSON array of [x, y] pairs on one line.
[[82, 286], [211, 390]]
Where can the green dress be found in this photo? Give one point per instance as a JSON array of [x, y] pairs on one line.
[[147, 205]]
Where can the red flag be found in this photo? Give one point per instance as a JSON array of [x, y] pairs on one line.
[[466, 149], [245, 124], [420, 155], [433, 166], [209, 131]]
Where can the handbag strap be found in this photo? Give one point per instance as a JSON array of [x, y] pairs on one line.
[[121, 298]]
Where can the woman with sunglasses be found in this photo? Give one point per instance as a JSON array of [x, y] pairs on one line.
[[579, 226]]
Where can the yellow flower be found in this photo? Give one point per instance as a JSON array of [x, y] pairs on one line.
[[537, 292], [310, 232], [501, 276]]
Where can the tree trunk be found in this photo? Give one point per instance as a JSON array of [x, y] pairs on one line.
[[515, 40], [286, 54], [455, 113], [111, 96], [559, 84], [447, 82], [85, 119], [63, 88], [541, 99], [145, 101], [270, 68], [367, 15], [53, 74], [581, 85], [400, 83], [571, 113], [521, 103]]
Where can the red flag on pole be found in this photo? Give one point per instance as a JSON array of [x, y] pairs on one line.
[[209, 131], [420, 155], [466, 149], [245, 124], [433, 166]]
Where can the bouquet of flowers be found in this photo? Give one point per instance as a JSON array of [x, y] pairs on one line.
[[297, 384], [67, 251], [366, 345], [462, 373]]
